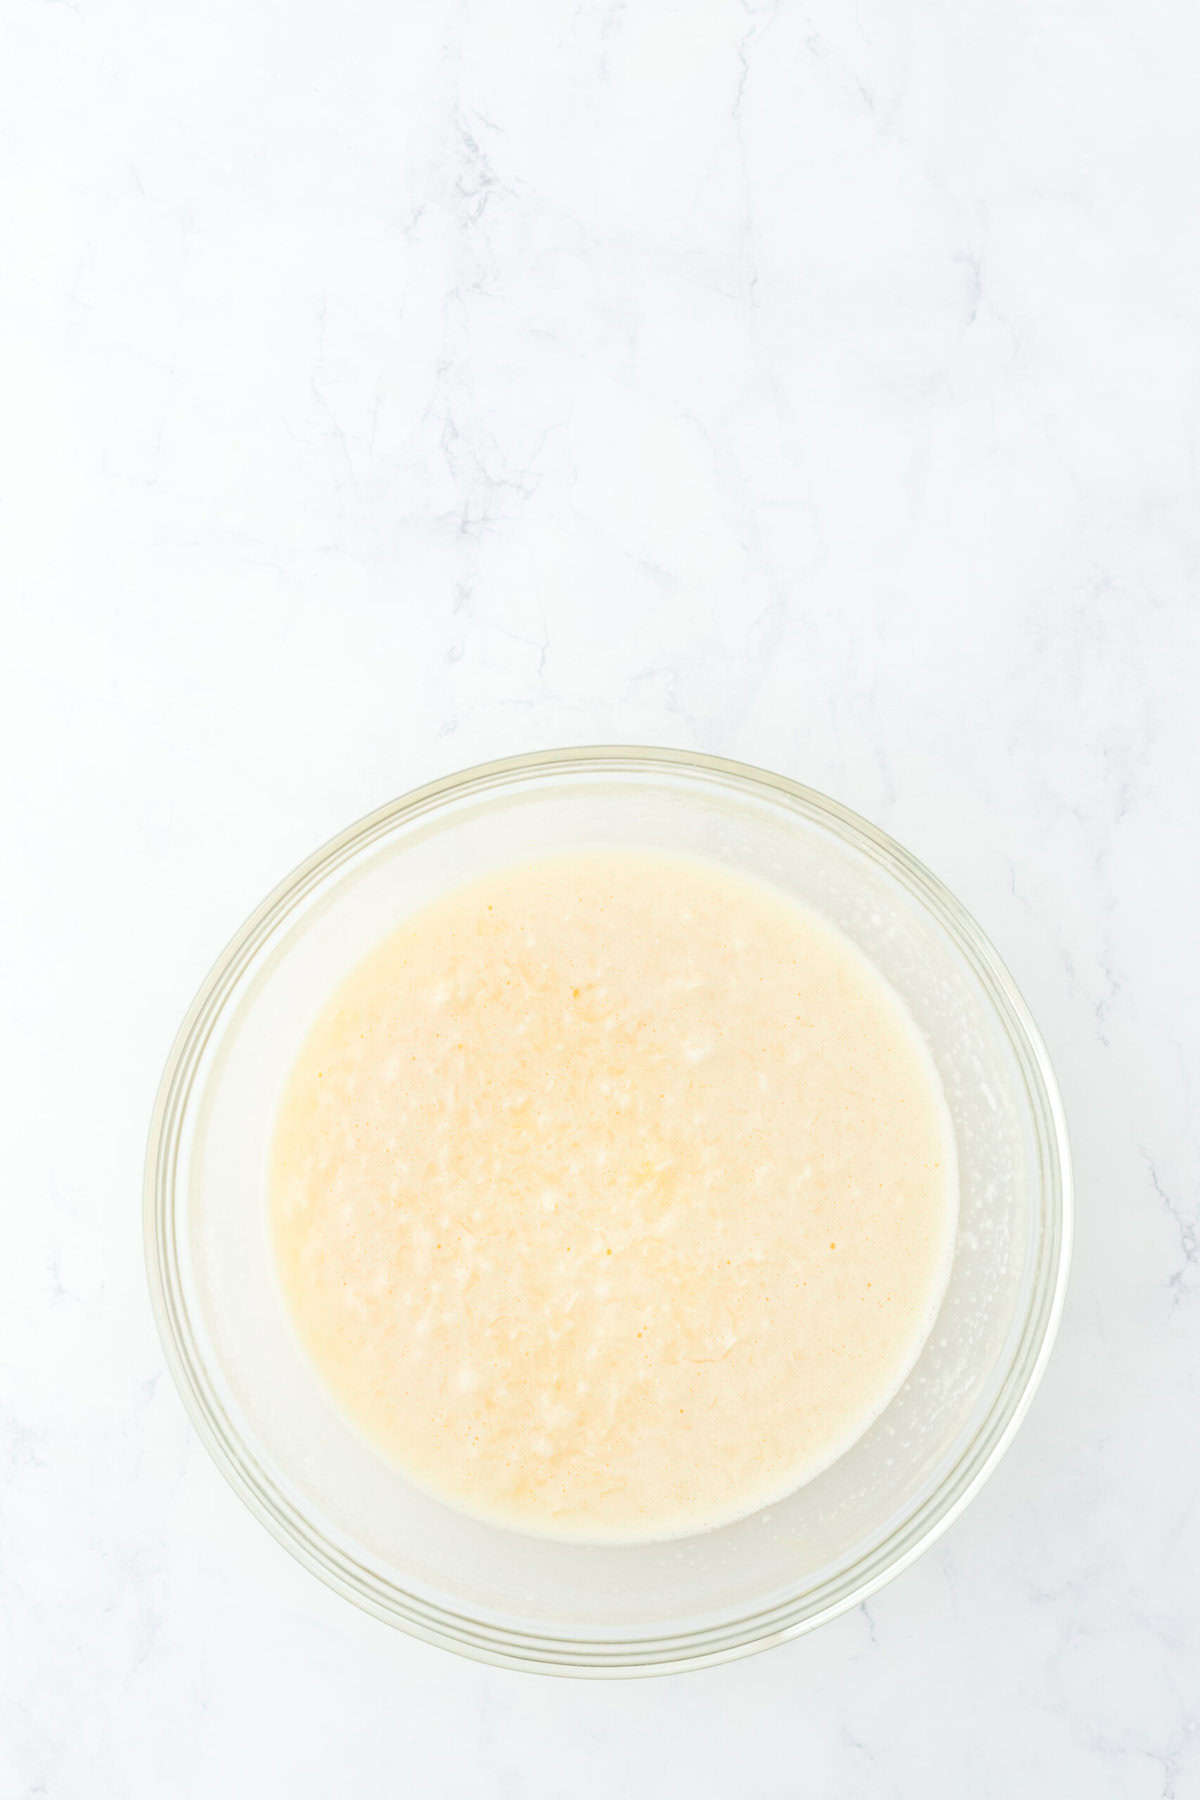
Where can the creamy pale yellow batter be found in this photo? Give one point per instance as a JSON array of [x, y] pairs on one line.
[[613, 1196]]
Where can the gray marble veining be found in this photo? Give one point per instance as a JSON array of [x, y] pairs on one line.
[[391, 389]]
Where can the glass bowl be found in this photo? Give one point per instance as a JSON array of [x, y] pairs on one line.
[[540, 1604]]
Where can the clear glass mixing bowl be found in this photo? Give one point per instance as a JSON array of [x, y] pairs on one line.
[[538, 1604]]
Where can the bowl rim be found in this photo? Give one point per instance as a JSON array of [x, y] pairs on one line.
[[802, 1611]]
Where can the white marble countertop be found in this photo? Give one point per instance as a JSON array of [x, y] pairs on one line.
[[388, 388]]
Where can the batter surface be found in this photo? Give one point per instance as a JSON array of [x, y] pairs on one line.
[[613, 1196]]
